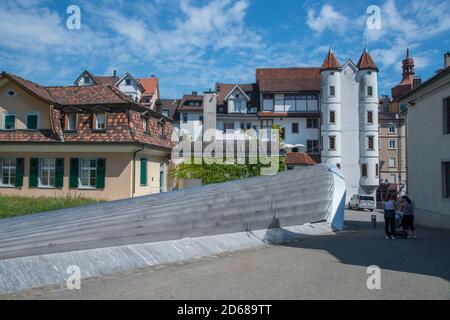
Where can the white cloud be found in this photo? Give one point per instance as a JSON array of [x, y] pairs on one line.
[[328, 18]]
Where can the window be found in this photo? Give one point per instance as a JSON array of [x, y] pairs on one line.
[[312, 123], [88, 173], [8, 171], [332, 91], [11, 93], [47, 169], [332, 117], [377, 170], [200, 119], [312, 146], [332, 143], [370, 91], [161, 130], [246, 125], [185, 117], [392, 178], [32, 120], [364, 170], [166, 113], [128, 82], [145, 124], [369, 117], [87, 80], [295, 127], [193, 103], [228, 126], [447, 116], [392, 162], [392, 144], [370, 143], [9, 121], [147, 99], [100, 123], [446, 178], [392, 128], [71, 121]]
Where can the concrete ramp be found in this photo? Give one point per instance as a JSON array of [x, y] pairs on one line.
[[287, 199]]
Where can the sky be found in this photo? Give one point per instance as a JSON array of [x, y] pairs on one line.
[[192, 44]]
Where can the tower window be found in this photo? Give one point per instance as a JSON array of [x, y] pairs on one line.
[[332, 91], [370, 91], [332, 117], [364, 170], [332, 143], [377, 170], [370, 143], [370, 117]]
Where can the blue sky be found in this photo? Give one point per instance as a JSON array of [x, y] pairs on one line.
[[192, 44]]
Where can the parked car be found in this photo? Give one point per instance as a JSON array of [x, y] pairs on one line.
[[362, 202]]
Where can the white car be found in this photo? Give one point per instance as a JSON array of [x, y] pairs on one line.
[[362, 202]]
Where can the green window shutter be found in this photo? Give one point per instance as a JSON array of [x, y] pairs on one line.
[[101, 170], [10, 122], [143, 172], [20, 166], [73, 178], [34, 172], [59, 173], [32, 122]]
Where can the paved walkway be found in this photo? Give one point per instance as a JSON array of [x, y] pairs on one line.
[[330, 267]]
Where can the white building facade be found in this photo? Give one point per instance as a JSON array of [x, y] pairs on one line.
[[349, 107]]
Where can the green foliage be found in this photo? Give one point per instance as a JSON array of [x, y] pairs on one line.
[[217, 173], [11, 206]]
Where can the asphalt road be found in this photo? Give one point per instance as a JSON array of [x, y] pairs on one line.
[[329, 267]]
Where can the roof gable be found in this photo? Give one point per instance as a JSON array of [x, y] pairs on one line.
[[133, 79], [236, 87]]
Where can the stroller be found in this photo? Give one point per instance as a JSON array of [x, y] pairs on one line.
[[399, 224]]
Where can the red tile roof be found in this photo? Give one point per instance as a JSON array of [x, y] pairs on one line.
[[299, 158], [88, 95], [150, 85], [330, 63], [288, 79], [366, 62]]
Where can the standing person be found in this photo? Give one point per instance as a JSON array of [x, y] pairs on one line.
[[406, 206], [389, 218]]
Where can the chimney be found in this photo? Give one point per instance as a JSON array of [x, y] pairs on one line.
[[417, 82], [115, 74], [194, 93], [447, 59], [209, 116], [152, 76]]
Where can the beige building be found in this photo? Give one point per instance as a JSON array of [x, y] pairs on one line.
[[428, 148], [392, 144], [92, 141]]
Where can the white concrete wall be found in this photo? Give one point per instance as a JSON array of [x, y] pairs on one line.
[[193, 126], [132, 90], [304, 134], [427, 148]]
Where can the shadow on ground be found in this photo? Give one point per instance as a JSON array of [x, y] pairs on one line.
[[429, 254]]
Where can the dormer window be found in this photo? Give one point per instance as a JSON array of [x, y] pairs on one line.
[[87, 80], [128, 82], [9, 121], [147, 99], [32, 121], [71, 121], [100, 121], [145, 125]]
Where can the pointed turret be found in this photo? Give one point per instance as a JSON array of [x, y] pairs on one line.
[[330, 63], [366, 62]]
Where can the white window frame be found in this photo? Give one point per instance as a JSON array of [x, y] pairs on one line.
[[329, 143], [48, 168], [367, 117], [394, 162], [334, 93], [373, 143], [5, 114], [10, 168], [392, 125], [371, 89], [38, 114], [68, 128], [329, 117], [80, 174], [395, 144], [97, 122]]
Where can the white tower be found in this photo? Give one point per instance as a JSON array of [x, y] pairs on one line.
[[331, 110], [368, 123]]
